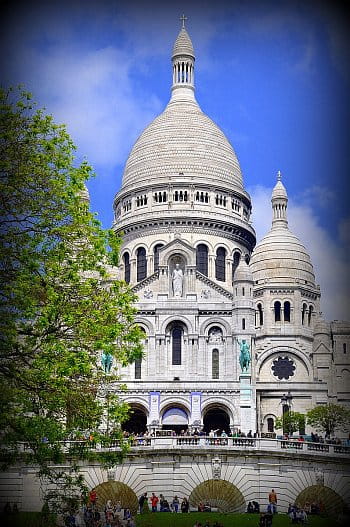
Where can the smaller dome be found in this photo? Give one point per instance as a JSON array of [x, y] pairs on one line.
[[243, 272], [183, 44], [280, 257]]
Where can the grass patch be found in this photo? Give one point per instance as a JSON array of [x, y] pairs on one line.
[[166, 519]]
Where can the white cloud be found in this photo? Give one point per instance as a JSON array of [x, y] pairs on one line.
[[329, 255]]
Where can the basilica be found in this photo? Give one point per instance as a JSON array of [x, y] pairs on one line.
[[233, 334]]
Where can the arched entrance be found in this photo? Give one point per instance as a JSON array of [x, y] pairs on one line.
[[219, 493], [137, 421], [326, 499], [175, 418], [116, 491], [216, 418]]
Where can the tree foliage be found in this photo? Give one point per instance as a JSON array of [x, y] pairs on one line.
[[61, 306], [291, 422], [329, 418]]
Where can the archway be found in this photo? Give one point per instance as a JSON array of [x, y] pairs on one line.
[[137, 421], [116, 491], [219, 493], [216, 418], [175, 418], [326, 499]]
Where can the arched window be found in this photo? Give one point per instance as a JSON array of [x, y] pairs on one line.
[[270, 425], [202, 259], [277, 310], [243, 323], [156, 256], [215, 364], [176, 335], [141, 263], [220, 264], [303, 314], [126, 259], [286, 311], [311, 309], [235, 262], [260, 315]]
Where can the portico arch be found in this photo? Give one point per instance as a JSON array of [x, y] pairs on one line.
[[137, 420], [219, 493], [216, 417], [116, 491]]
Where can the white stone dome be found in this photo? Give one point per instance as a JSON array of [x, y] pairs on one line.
[[183, 140], [280, 257]]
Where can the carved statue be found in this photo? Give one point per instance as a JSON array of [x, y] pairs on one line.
[[177, 279], [244, 357], [106, 361]]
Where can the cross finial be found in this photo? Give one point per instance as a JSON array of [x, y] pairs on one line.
[[183, 18], [279, 176]]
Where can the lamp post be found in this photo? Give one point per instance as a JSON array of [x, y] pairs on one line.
[[286, 401]]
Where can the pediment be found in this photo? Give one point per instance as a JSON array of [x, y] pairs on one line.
[[180, 248]]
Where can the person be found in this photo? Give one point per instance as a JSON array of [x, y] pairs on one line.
[[185, 505], [273, 501], [142, 500], [7, 508], [93, 497], [177, 278], [154, 501], [175, 504], [201, 507], [256, 507], [250, 507]]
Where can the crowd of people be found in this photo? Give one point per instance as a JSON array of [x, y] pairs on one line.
[[161, 504]]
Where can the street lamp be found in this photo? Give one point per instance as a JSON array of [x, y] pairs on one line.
[[286, 401]]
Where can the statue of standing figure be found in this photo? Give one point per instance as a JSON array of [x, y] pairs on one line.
[[177, 280], [244, 357], [106, 361]]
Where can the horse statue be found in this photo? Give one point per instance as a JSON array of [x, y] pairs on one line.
[[106, 361], [244, 357]]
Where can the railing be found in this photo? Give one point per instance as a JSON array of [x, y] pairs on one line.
[[78, 447]]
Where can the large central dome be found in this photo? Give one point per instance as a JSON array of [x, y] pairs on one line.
[[183, 140]]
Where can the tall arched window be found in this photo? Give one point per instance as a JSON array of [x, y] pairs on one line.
[[215, 367], [286, 311], [126, 259], [220, 263], [311, 309], [156, 256], [235, 262], [202, 259], [141, 263], [138, 368], [260, 315], [270, 425], [277, 310], [303, 314], [176, 335]]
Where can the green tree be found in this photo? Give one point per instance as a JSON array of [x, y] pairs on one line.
[[61, 306], [291, 422], [329, 417]]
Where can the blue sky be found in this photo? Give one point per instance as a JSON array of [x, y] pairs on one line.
[[273, 75]]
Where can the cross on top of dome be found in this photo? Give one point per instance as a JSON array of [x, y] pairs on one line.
[[183, 18]]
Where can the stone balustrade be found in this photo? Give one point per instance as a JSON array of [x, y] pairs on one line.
[[205, 442]]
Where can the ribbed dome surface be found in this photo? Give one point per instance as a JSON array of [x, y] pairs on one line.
[[183, 139], [183, 44], [281, 257]]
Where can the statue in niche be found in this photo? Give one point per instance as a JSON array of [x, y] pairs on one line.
[[244, 357], [177, 281], [215, 336], [106, 361]]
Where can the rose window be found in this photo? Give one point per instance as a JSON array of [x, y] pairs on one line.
[[283, 368]]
